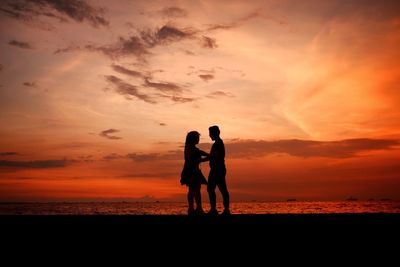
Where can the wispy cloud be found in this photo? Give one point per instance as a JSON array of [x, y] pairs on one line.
[[126, 71], [189, 53], [123, 47], [108, 134], [165, 35], [113, 156], [149, 175], [131, 46], [163, 86], [142, 157], [128, 90], [168, 90], [233, 24], [208, 42], [77, 10], [138, 45], [307, 148], [35, 164], [206, 77], [173, 12], [30, 84], [178, 99], [7, 153], [171, 155], [23, 45], [243, 149], [220, 94], [67, 49]]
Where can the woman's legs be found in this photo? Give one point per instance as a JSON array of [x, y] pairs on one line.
[[197, 197], [190, 196], [194, 194]]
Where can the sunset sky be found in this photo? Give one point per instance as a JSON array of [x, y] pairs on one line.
[[96, 97]]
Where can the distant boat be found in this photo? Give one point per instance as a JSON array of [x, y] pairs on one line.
[[386, 199], [291, 199], [352, 199]]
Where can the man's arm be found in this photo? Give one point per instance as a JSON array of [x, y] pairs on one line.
[[204, 156]]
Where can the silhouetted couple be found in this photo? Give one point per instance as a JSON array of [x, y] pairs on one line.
[[193, 177]]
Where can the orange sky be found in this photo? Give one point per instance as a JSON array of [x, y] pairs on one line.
[[96, 97]]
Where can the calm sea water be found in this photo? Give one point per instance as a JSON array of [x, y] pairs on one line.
[[159, 208]]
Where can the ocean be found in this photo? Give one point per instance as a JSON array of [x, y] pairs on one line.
[[179, 208]]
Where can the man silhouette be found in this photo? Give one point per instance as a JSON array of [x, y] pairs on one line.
[[217, 173]]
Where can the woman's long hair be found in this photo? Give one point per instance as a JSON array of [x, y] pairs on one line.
[[192, 138]]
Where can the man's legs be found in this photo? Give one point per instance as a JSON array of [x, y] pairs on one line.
[[225, 194], [211, 185], [224, 190]]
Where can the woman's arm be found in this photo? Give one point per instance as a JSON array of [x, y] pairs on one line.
[[204, 156]]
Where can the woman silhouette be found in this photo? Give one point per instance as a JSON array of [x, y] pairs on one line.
[[191, 174]]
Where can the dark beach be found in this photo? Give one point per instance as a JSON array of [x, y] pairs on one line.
[[179, 225], [172, 237]]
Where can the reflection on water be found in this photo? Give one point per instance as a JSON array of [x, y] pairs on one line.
[[161, 208]]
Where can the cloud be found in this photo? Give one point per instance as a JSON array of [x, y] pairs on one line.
[[23, 45], [113, 156], [179, 99], [206, 77], [208, 42], [163, 86], [36, 164], [242, 74], [219, 94], [307, 148], [233, 24], [171, 155], [123, 47], [30, 84], [142, 157], [166, 87], [149, 175], [67, 49], [173, 12], [189, 53], [9, 153], [126, 71], [77, 10], [165, 35], [128, 90], [243, 149], [137, 45], [107, 134]]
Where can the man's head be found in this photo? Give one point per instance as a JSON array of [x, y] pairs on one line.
[[214, 132]]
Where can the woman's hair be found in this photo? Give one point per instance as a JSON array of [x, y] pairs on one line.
[[192, 138]]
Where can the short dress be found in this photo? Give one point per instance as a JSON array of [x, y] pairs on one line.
[[191, 174]]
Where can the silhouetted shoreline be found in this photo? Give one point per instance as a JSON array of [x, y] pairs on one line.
[[168, 224], [170, 233]]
